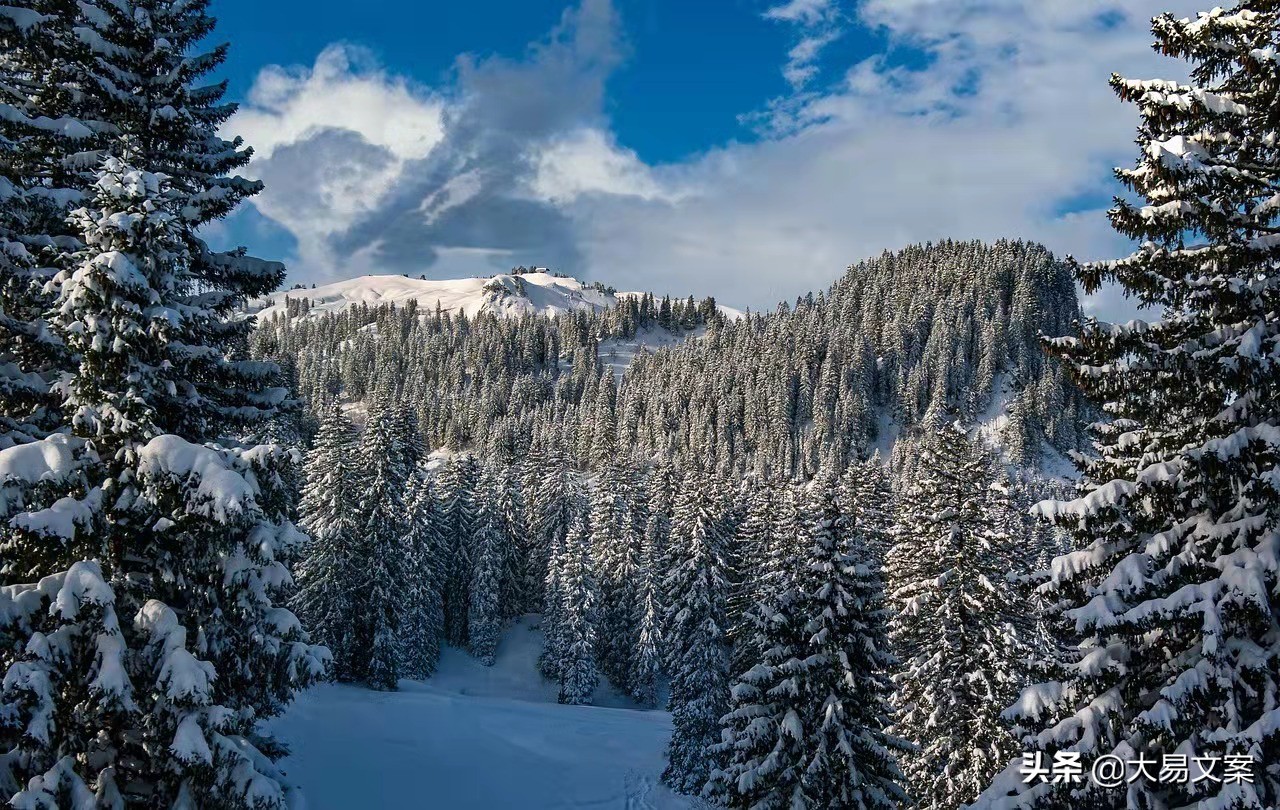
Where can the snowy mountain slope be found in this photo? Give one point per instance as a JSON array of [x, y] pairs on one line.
[[505, 294], [510, 295], [476, 737]]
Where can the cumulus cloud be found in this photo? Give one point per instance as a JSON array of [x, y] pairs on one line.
[[375, 174], [331, 140], [587, 161], [1005, 127]]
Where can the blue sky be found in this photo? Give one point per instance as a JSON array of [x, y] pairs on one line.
[[691, 71], [740, 148]]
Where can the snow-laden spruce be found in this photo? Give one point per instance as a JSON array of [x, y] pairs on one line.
[[513, 515], [141, 664], [383, 533], [423, 630], [806, 725], [488, 548], [956, 626], [459, 511], [49, 137], [329, 574], [556, 499], [646, 655], [578, 632], [867, 492], [770, 521], [696, 590], [615, 550], [1172, 592]]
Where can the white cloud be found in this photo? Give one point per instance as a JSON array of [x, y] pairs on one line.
[[806, 12], [1007, 124], [820, 25], [588, 161], [343, 90], [330, 141]]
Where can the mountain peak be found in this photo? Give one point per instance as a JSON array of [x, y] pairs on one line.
[[507, 294]]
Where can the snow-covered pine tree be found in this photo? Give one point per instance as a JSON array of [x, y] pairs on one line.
[[383, 531], [489, 553], [424, 619], [48, 138], [511, 506], [660, 501], [615, 549], [552, 655], [698, 589], [459, 512], [60, 736], [806, 725], [646, 655], [578, 632], [955, 627], [867, 492], [1171, 595], [145, 75], [329, 575], [769, 522], [174, 551], [551, 506]]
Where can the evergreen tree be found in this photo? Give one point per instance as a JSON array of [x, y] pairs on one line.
[[459, 511], [552, 655], [868, 494], [489, 550], [560, 510], [49, 135], [425, 572], [383, 531], [517, 546], [187, 541], [660, 491], [699, 679], [329, 578], [806, 725], [578, 636], [769, 524], [957, 627], [646, 656], [1171, 593], [615, 552]]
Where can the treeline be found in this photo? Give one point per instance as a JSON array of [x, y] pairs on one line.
[[899, 341], [679, 577]]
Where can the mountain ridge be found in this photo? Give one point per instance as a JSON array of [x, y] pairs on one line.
[[507, 294]]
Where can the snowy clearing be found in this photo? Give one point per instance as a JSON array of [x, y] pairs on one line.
[[476, 737]]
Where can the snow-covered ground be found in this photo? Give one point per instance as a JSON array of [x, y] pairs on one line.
[[476, 737]]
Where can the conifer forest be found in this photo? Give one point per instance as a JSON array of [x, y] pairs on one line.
[[934, 536]]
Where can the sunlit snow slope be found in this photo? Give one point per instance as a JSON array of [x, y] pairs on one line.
[[476, 737], [535, 293]]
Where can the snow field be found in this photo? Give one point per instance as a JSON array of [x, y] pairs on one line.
[[476, 737]]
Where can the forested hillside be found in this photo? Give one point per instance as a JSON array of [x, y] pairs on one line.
[[465, 471], [931, 333]]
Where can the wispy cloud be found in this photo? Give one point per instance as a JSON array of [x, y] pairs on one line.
[[820, 23]]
